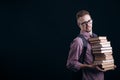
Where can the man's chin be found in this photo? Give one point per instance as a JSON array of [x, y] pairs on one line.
[[88, 30]]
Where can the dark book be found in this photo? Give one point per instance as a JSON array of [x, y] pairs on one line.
[[98, 41], [102, 48], [101, 62], [101, 51], [109, 68], [98, 38], [103, 57], [106, 65], [101, 45]]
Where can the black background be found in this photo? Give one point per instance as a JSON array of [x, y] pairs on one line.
[[35, 36]]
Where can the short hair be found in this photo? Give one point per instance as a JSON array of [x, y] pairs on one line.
[[81, 13]]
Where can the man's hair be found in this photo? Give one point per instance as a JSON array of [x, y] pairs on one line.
[[81, 13]]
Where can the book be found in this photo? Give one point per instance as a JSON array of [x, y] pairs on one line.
[[102, 48], [98, 41], [98, 38], [106, 66], [102, 51], [103, 62], [109, 68], [107, 63], [101, 45], [104, 57], [102, 54]]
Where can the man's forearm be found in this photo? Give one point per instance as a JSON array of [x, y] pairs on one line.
[[83, 66]]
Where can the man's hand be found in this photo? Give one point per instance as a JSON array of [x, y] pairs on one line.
[[94, 66], [97, 67]]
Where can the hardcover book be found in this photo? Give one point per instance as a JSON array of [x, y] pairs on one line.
[[98, 38]]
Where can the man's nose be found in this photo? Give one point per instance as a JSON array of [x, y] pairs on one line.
[[87, 24]]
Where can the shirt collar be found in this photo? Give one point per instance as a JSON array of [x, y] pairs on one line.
[[85, 34]]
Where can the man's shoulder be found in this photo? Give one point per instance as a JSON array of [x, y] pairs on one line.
[[77, 40]]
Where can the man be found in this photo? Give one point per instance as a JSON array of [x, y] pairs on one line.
[[90, 71]]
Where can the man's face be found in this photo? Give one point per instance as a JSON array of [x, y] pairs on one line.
[[85, 23]]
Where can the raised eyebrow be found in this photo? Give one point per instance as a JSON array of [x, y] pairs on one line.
[[84, 22], [89, 20]]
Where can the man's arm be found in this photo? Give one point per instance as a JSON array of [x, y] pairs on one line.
[[74, 53], [73, 57]]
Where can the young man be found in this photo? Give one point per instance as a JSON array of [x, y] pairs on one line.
[[90, 71]]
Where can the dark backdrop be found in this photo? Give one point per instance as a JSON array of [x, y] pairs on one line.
[[35, 36]]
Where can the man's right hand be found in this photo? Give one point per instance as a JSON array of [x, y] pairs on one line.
[[93, 66], [97, 67]]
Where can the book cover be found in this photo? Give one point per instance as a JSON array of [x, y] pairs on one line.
[[103, 57], [101, 45], [103, 54], [107, 63], [102, 48], [98, 38], [107, 66], [101, 51], [98, 41], [103, 62]]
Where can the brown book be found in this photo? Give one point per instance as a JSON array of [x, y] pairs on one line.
[[98, 38], [98, 41], [99, 62], [102, 54], [103, 57], [107, 66], [102, 51], [106, 63], [102, 48]]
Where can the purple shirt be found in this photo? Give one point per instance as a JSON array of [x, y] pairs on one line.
[[74, 54]]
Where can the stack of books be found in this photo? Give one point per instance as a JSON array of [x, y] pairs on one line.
[[102, 52]]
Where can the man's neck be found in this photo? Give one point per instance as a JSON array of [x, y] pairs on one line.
[[88, 32]]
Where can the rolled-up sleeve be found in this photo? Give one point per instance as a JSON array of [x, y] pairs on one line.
[[74, 54]]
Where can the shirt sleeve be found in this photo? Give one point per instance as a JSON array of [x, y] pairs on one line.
[[74, 53]]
